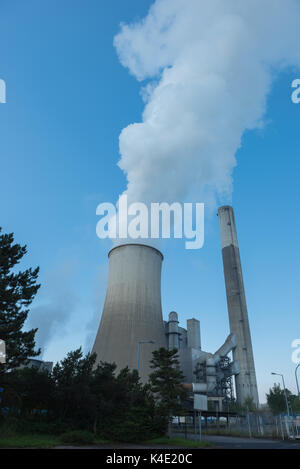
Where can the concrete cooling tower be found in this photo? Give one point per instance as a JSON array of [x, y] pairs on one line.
[[132, 313], [245, 381]]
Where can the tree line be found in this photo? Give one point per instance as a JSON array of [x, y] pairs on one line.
[[77, 394]]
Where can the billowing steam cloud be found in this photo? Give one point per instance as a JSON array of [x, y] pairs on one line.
[[209, 66]]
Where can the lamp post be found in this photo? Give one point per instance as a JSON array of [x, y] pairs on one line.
[[285, 395], [297, 380], [139, 350]]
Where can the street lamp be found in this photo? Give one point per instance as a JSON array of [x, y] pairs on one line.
[[139, 350], [297, 380], [285, 395]]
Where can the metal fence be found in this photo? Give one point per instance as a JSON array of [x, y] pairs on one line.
[[250, 425]]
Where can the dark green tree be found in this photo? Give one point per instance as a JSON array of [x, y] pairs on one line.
[[133, 415], [294, 403], [107, 396], [166, 383], [17, 290], [28, 391], [117, 407], [249, 404], [73, 398], [276, 400]]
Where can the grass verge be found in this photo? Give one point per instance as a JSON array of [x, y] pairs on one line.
[[49, 441], [44, 441], [182, 442], [29, 441]]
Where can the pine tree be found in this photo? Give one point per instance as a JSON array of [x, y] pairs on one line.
[[166, 382], [17, 290]]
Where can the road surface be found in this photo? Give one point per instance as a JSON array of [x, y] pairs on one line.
[[232, 442]]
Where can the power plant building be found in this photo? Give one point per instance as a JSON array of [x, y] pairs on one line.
[[132, 324]]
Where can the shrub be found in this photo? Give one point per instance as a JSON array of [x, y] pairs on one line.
[[133, 426], [77, 437], [25, 426], [128, 431]]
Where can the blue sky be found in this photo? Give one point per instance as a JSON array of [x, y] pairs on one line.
[[68, 98]]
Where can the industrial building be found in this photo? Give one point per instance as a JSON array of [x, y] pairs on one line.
[[39, 365], [132, 324]]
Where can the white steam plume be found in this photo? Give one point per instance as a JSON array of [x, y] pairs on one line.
[[211, 64]]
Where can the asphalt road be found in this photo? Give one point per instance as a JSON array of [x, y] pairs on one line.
[[230, 442], [218, 442]]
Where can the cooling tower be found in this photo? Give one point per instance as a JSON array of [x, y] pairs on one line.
[[132, 313], [245, 381]]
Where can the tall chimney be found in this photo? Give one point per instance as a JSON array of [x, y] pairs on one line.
[[245, 381], [173, 332], [132, 313], [193, 333]]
